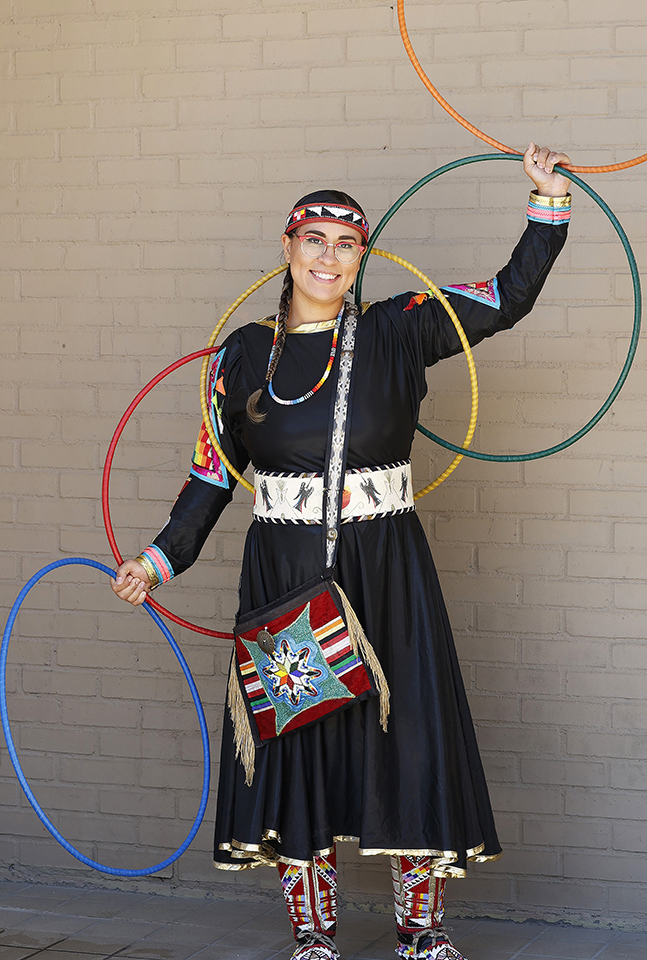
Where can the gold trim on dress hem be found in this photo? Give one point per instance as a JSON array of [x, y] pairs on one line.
[[264, 850], [254, 847], [258, 855], [239, 866], [474, 851], [492, 857], [446, 856]]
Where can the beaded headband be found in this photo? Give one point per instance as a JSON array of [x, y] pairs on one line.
[[333, 213]]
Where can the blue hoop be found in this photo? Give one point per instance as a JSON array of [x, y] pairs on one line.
[[4, 650]]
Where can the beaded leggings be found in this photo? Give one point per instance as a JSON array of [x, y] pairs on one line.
[[418, 897], [311, 895]]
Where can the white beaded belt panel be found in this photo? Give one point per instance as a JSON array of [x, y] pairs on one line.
[[368, 492]]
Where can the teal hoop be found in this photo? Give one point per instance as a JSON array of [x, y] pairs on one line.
[[537, 455]]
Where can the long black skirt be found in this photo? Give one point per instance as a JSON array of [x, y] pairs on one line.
[[418, 789]]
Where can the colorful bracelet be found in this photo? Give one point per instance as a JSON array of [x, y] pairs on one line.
[[157, 566], [549, 209]]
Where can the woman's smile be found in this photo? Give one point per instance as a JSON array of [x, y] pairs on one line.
[[325, 277]]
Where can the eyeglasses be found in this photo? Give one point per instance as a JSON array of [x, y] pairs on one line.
[[346, 251]]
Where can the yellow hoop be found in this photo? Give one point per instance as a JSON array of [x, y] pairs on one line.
[[204, 400], [468, 356]]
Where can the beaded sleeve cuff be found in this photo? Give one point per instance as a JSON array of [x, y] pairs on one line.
[[156, 565], [549, 209]]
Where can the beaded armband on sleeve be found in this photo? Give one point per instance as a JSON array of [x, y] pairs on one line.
[[156, 565], [549, 209]]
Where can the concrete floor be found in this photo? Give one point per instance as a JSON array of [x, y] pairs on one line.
[[67, 923]]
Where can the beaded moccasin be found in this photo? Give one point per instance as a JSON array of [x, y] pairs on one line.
[[315, 946], [429, 945]]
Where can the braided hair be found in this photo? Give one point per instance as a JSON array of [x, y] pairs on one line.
[[255, 415]]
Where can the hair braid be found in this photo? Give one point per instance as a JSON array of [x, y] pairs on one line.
[[254, 414]]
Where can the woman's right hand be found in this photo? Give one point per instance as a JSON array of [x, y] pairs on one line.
[[131, 583]]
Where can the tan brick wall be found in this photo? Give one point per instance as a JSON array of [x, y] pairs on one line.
[[149, 150]]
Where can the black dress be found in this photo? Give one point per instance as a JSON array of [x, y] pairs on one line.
[[418, 789]]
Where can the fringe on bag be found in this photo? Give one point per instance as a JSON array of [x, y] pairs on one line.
[[361, 646], [243, 740]]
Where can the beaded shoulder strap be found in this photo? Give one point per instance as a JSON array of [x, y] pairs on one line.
[[338, 439]]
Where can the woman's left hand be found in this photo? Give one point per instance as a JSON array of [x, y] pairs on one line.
[[538, 162]]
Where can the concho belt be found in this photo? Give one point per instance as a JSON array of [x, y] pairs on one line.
[[368, 492]]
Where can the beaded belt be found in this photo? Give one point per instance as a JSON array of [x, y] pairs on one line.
[[368, 492]]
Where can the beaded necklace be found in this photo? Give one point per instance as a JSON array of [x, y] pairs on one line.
[[326, 373]]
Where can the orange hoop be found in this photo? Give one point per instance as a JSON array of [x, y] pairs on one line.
[[479, 133]]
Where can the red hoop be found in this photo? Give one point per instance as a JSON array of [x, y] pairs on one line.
[[105, 488]]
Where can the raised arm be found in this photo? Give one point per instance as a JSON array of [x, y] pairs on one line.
[[486, 307]]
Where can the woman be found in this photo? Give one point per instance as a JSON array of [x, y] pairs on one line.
[[416, 792]]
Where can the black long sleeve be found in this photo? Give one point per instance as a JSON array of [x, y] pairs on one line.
[[485, 309], [210, 486]]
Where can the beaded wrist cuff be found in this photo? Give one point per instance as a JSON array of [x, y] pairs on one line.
[[156, 565], [549, 209]]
